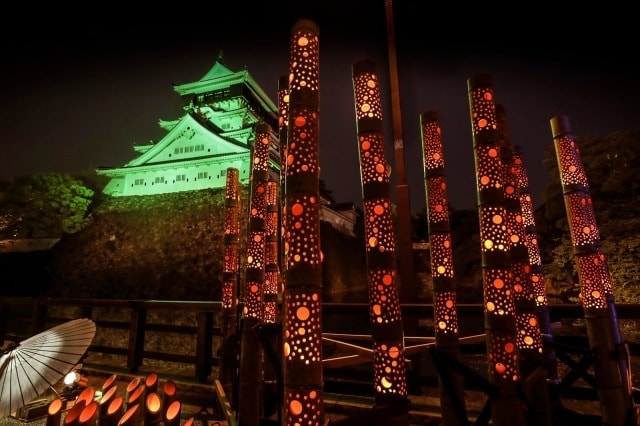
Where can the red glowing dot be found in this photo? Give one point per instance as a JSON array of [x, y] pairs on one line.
[[297, 209]]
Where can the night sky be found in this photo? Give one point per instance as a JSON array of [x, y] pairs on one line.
[[81, 87]]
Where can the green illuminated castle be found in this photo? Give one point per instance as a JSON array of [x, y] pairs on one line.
[[216, 132]]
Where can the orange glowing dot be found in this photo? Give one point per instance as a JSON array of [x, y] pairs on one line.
[[518, 288], [295, 407], [387, 279], [449, 303], [289, 160], [441, 269], [297, 209], [257, 238], [572, 168], [482, 123], [498, 283], [487, 96], [442, 325], [509, 347], [373, 241], [535, 278], [380, 168], [491, 307], [385, 383], [365, 145], [371, 83], [254, 288], [365, 108], [515, 239], [528, 340], [301, 331], [488, 244], [533, 321], [492, 152], [436, 156], [303, 313], [509, 189], [394, 352], [377, 310], [484, 180], [500, 368], [497, 219], [595, 294], [378, 209], [586, 230], [297, 225], [438, 208], [300, 121], [447, 244], [249, 259]]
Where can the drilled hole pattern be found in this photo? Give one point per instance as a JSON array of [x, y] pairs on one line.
[[304, 61], [232, 230], [302, 240], [590, 271], [373, 165], [303, 332], [378, 225], [446, 316], [498, 295], [303, 408], [582, 222], [493, 229], [483, 110], [389, 378], [302, 154], [569, 162], [367, 96], [503, 357], [488, 168]]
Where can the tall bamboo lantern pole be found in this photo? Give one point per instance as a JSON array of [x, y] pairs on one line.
[[535, 263], [385, 314], [445, 312], [250, 405], [233, 205], [283, 125], [529, 336], [611, 368], [499, 306], [408, 288], [302, 297]]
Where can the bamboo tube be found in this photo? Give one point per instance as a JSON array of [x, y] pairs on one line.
[[132, 417], [105, 401], [54, 412], [169, 393], [152, 409], [137, 397], [172, 414], [114, 412], [89, 414], [71, 419], [86, 395], [151, 382], [111, 381]]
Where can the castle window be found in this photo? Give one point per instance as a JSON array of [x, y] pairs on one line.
[[159, 179], [139, 182], [181, 178], [202, 175]]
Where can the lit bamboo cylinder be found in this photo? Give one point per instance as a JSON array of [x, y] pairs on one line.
[[131, 387], [132, 416], [136, 397], [302, 297], [86, 395], [153, 409], [54, 412], [612, 371], [445, 313], [385, 316], [108, 383], [151, 383], [499, 305], [283, 125], [71, 419], [89, 414], [535, 262], [169, 393], [172, 413], [250, 388], [272, 270], [230, 267], [107, 397], [115, 410]]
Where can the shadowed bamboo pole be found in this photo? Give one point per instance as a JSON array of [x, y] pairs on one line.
[[535, 262], [302, 297], [499, 306], [54, 412], [611, 368], [283, 125], [250, 390], [445, 312], [389, 370], [408, 288], [529, 336], [230, 265]]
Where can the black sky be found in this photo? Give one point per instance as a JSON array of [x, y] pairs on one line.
[[81, 86]]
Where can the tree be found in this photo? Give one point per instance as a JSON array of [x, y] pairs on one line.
[[45, 205]]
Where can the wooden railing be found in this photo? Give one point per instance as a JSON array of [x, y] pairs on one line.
[[23, 317]]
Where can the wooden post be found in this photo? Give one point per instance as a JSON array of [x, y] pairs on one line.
[[204, 340], [135, 353]]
